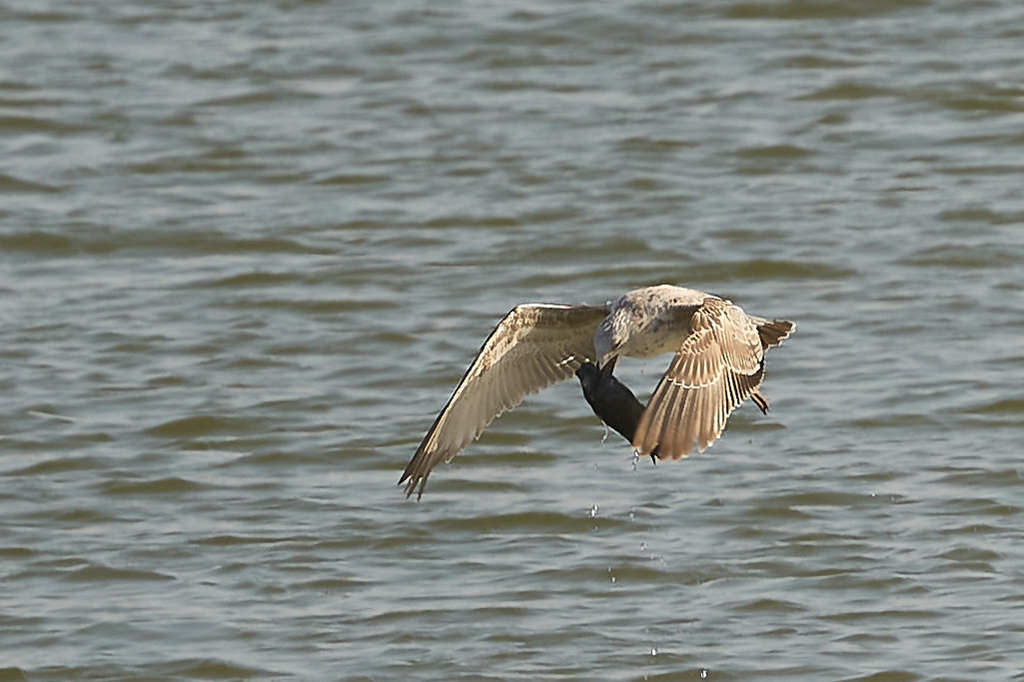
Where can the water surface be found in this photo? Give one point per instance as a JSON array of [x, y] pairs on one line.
[[247, 251]]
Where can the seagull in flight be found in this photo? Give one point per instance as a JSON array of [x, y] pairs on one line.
[[718, 364]]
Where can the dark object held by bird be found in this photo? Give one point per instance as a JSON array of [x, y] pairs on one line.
[[611, 400]]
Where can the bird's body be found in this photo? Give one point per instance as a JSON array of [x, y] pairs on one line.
[[611, 400], [718, 363], [648, 322]]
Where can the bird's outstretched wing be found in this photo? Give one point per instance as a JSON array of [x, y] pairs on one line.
[[534, 346], [718, 366]]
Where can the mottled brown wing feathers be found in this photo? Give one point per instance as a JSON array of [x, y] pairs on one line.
[[534, 346], [718, 366]]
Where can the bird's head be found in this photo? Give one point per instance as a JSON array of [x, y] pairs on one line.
[[594, 379], [589, 376]]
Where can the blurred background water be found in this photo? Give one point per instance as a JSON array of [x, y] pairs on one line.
[[248, 249]]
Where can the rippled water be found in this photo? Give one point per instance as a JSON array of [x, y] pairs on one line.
[[248, 250]]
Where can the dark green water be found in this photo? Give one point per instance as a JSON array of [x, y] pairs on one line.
[[248, 249]]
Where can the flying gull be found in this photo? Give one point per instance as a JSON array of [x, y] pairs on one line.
[[718, 364]]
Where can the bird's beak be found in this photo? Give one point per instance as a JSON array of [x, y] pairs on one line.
[[609, 365]]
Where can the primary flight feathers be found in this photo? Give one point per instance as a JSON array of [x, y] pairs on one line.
[[718, 363]]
